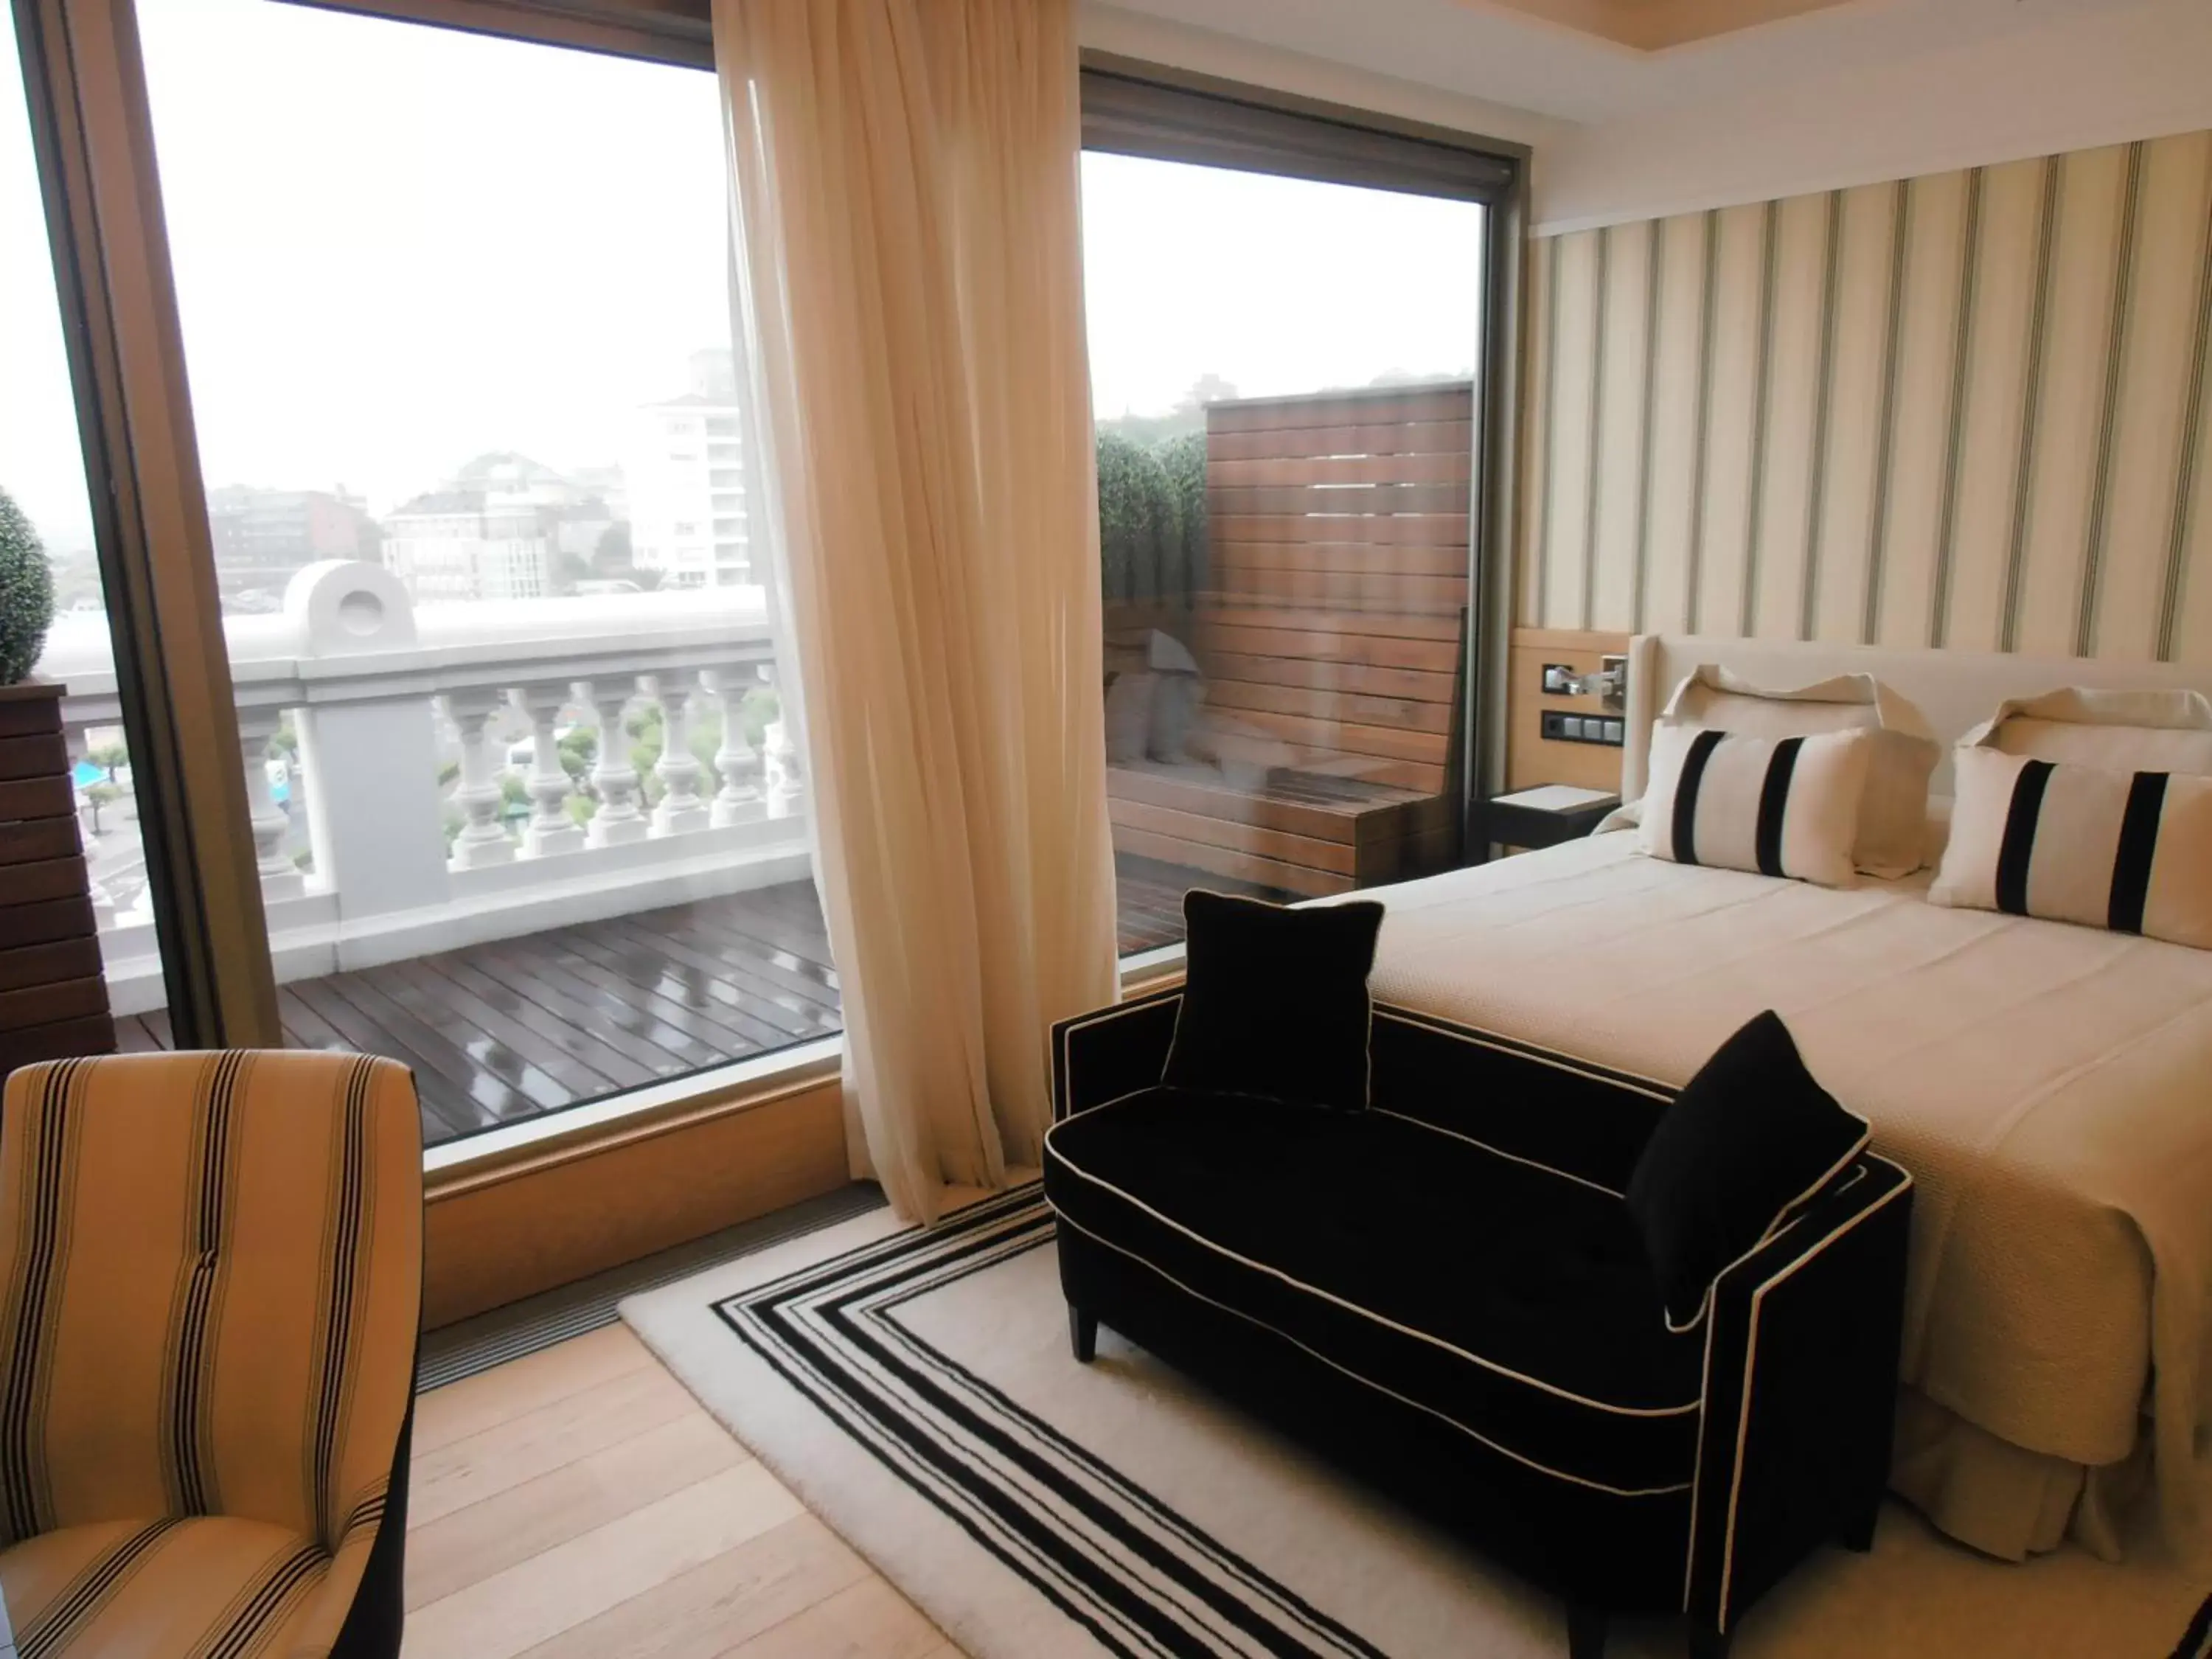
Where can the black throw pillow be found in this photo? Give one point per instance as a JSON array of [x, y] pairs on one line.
[[1275, 1001], [1749, 1139]]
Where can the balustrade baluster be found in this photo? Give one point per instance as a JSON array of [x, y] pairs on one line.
[[483, 839], [786, 783], [614, 779], [681, 810], [739, 800], [79, 738], [272, 828], [551, 829]]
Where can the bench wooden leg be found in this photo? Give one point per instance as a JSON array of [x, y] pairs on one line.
[[1083, 1334], [1858, 1534], [1586, 1628]]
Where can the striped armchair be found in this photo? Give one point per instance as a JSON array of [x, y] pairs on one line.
[[210, 1288]]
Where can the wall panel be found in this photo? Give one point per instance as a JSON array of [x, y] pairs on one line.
[[1964, 409]]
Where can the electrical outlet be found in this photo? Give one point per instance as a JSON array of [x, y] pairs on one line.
[[1558, 680]]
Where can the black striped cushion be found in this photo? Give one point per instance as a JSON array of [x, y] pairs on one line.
[[2128, 851], [1781, 806]]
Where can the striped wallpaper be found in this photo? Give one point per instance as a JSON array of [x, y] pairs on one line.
[[1965, 410]]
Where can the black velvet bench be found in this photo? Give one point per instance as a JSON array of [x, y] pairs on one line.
[[1444, 1294]]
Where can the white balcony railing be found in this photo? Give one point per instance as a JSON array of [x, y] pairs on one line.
[[399, 833]]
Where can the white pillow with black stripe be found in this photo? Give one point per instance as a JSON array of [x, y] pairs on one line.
[[1781, 806], [2128, 851]]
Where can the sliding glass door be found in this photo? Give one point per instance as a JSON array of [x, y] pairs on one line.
[[1289, 365], [456, 314]]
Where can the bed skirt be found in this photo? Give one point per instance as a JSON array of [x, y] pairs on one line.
[[2003, 1499]]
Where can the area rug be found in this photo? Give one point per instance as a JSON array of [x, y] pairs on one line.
[[915, 1387]]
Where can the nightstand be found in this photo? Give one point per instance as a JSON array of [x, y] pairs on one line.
[[1544, 816]]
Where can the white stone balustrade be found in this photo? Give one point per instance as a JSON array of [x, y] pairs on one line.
[[384, 696]]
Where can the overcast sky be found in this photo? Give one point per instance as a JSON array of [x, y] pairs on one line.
[[397, 247]]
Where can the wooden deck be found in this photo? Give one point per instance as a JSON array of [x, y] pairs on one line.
[[502, 1032]]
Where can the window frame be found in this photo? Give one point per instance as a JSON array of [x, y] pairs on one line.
[[93, 141], [1132, 107]]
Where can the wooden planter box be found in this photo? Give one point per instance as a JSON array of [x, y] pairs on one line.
[[53, 1000]]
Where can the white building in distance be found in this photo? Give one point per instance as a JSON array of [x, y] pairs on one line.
[[493, 531], [683, 463]]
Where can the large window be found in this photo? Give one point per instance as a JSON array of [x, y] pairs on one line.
[[456, 320], [48, 515], [1288, 374]]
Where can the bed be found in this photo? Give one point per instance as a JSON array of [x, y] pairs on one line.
[[2049, 1086]]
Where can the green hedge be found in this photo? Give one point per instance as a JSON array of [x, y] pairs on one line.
[[1182, 462], [1152, 518], [27, 593]]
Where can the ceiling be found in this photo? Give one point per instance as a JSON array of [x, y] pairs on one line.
[[1597, 61], [1655, 25]]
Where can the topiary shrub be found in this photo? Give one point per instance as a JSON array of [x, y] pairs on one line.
[[1182, 464], [1133, 516], [27, 593]]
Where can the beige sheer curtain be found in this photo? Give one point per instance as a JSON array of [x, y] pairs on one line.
[[909, 285]]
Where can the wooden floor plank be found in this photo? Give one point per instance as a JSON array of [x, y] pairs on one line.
[[492, 1535], [869, 1621], [705, 1611], [651, 1538], [551, 1592], [525, 1385], [507, 1454]]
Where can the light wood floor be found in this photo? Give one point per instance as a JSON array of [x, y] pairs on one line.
[[579, 1502]]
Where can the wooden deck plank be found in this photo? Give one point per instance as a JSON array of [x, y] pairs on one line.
[[453, 1006], [768, 1000], [540, 1014], [449, 1109], [501, 1032], [681, 999], [629, 1013], [789, 973]]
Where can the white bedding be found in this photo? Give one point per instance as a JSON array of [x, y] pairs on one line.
[[2050, 1087]]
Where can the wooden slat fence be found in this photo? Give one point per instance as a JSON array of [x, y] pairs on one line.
[[1329, 618], [1338, 537]]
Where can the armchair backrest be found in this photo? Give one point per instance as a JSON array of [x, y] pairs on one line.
[[211, 1287]]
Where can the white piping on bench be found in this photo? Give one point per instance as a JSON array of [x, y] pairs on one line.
[[1061, 1219], [1353, 1307]]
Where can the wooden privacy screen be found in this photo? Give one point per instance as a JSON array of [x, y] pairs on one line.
[[53, 1001], [1330, 631]]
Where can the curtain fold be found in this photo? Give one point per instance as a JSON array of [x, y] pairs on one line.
[[910, 312]]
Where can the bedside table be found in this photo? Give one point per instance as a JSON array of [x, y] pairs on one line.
[[1544, 816]]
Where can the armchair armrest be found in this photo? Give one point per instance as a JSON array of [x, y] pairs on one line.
[[1801, 1393], [1111, 1052]]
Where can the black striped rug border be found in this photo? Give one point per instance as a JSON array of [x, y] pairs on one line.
[[917, 1261], [2196, 1640], [1166, 1587]]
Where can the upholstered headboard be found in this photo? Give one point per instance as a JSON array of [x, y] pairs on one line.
[[1957, 690]]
